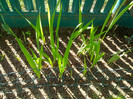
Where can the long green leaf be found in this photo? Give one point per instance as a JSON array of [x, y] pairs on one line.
[[48, 59], [34, 55], [24, 50], [107, 18], [85, 67], [57, 28], [6, 27], [29, 58], [50, 20], [92, 52], [40, 58], [73, 36], [37, 31], [115, 19], [114, 57], [26, 20], [80, 15]]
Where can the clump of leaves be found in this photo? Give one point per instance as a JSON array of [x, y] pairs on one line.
[[35, 62], [118, 55], [91, 45], [62, 60]]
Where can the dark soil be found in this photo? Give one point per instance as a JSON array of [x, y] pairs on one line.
[[17, 79]]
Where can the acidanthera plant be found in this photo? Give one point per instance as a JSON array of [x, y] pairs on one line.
[[62, 60], [91, 46], [36, 62]]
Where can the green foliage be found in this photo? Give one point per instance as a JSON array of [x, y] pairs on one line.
[[114, 58], [62, 60], [85, 66], [2, 57], [73, 36], [119, 96], [54, 48], [25, 34], [91, 45], [118, 55], [28, 33], [119, 13], [36, 64]]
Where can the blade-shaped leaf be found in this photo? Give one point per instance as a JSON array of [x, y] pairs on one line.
[[29, 58], [85, 67]]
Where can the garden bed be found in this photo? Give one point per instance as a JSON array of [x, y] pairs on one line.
[[103, 81]]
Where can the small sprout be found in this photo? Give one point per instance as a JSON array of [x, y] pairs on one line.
[[28, 33], [118, 55], [18, 58], [126, 37], [2, 57], [114, 58]]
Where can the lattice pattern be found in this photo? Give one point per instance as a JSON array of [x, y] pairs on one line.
[[91, 9], [94, 84]]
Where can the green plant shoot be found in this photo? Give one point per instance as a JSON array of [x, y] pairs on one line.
[[118, 55], [92, 44], [35, 62]]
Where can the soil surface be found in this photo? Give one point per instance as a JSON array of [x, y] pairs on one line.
[[17, 80]]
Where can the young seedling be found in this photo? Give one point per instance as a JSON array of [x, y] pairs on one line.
[[90, 45], [2, 57], [36, 64], [62, 60], [118, 55]]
